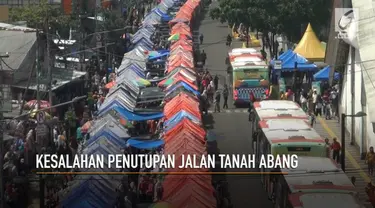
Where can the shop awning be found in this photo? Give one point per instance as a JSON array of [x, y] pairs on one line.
[[323, 74]]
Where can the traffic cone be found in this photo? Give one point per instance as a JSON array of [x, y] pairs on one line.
[[244, 45]]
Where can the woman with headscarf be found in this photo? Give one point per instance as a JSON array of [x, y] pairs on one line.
[[211, 91], [204, 102], [289, 95]]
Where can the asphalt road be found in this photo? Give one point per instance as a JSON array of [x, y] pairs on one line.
[[231, 127]]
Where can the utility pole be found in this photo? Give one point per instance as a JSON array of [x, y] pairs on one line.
[[37, 70], [106, 64], [49, 65], [2, 100], [352, 88], [41, 180]]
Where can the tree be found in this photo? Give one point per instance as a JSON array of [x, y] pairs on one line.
[[36, 16], [276, 16]]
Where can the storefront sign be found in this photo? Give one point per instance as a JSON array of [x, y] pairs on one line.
[[277, 64]]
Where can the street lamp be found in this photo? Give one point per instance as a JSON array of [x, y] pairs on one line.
[[343, 119]]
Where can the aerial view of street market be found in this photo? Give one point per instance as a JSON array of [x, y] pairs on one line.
[[187, 79]]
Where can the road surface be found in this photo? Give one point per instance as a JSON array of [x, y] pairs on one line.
[[231, 126]]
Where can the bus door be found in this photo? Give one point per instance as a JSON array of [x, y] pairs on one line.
[[264, 149], [281, 193]]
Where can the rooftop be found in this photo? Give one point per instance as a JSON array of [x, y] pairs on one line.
[[17, 44]]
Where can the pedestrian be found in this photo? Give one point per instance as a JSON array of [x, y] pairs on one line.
[[216, 82], [217, 101], [225, 96], [318, 107], [204, 102], [203, 57], [312, 119], [336, 148], [201, 38], [314, 99], [229, 40], [326, 140], [370, 160], [353, 179]]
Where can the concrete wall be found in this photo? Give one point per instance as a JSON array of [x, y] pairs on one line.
[[363, 126]]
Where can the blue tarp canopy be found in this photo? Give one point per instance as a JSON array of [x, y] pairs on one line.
[[323, 74], [110, 136], [109, 107], [178, 117], [145, 144], [91, 193], [158, 55], [289, 58], [183, 85], [164, 16], [143, 40], [134, 68], [129, 116]]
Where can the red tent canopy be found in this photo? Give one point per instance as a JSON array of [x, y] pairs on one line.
[[172, 183], [189, 191], [192, 146], [185, 47], [177, 102], [181, 24], [192, 109], [186, 123], [180, 50], [180, 76]]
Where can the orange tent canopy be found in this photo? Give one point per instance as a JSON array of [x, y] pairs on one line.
[[181, 31]]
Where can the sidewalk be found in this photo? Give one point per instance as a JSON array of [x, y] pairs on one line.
[[354, 165]]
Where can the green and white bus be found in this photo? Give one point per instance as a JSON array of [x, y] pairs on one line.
[[316, 182]]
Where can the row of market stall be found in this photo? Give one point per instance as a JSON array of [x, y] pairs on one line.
[[124, 103], [183, 129], [304, 61]]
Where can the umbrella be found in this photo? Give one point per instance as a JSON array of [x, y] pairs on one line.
[[142, 82], [161, 205], [33, 112], [174, 37], [126, 123], [167, 82], [85, 128], [34, 104], [110, 85]]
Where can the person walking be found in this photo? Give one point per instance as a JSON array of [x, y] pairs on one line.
[[225, 96], [201, 38], [217, 101], [203, 57], [336, 148], [370, 160], [216, 82]]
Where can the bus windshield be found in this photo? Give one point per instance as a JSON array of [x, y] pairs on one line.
[[246, 74]]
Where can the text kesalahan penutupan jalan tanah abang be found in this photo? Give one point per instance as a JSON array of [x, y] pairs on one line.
[[169, 161]]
